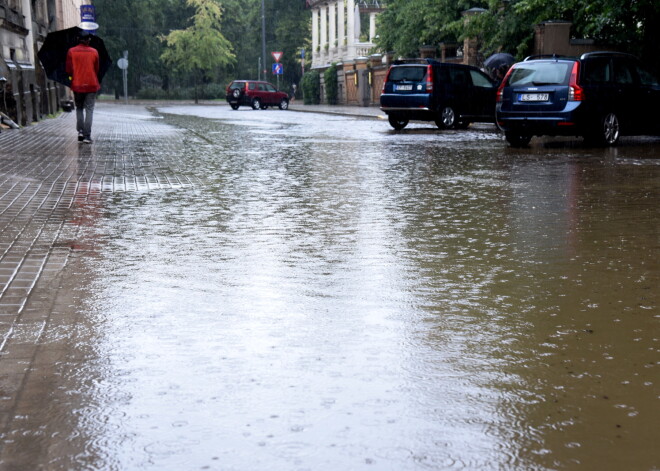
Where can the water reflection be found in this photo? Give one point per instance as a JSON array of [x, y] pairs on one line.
[[337, 296], [463, 307]]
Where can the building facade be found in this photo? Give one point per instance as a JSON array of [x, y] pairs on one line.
[[343, 30], [26, 95]]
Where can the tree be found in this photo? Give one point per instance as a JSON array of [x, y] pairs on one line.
[[632, 27], [201, 48], [134, 26], [406, 25]]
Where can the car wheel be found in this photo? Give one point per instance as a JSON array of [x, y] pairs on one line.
[[234, 106], [236, 93], [610, 129], [447, 118], [397, 123], [256, 104], [284, 104], [606, 133], [517, 139]]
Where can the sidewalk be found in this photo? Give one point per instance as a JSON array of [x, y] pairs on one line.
[[342, 110]]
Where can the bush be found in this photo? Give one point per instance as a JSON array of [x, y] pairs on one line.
[[311, 88], [331, 87]]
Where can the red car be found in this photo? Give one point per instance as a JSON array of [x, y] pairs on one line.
[[258, 95]]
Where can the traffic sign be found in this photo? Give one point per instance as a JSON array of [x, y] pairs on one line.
[[278, 69], [277, 56]]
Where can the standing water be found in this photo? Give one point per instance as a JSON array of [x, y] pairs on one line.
[[330, 295]]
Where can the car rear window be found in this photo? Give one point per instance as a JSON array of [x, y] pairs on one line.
[[408, 74], [540, 73]]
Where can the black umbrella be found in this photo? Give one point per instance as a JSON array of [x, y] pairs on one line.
[[497, 60], [53, 53]]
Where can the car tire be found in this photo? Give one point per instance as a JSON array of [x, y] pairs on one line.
[[236, 93], [284, 104], [234, 106], [606, 133], [256, 104], [610, 129], [447, 119], [397, 123], [517, 139]]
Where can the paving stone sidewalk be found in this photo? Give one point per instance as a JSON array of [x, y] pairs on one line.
[[48, 182]]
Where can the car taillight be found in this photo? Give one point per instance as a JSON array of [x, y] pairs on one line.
[[387, 79], [575, 92], [429, 79], [500, 90]]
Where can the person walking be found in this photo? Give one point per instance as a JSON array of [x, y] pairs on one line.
[[82, 64]]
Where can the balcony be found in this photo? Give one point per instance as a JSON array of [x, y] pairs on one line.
[[12, 20]]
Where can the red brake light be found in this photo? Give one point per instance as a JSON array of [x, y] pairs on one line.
[[387, 79], [575, 92], [429, 78], [500, 89]]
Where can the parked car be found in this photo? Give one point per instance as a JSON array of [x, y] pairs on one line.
[[452, 95], [257, 94], [599, 96]]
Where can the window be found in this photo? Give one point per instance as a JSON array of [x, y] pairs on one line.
[[480, 80], [270, 88], [597, 71], [541, 73], [622, 73], [646, 77], [459, 76], [408, 74]]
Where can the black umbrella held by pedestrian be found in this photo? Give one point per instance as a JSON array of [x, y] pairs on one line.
[[498, 60], [53, 54]]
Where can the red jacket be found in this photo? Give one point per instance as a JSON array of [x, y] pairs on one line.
[[82, 64]]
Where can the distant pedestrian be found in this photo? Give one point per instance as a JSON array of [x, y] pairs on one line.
[[294, 87], [82, 64]]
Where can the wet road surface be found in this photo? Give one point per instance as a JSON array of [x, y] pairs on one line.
[[210, 289]]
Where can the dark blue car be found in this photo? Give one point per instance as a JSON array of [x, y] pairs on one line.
[[598, 96], [451, 95]]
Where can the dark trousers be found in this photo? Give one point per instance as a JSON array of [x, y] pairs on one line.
[[84, 112]]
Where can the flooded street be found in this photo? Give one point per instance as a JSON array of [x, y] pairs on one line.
[[315, 292]]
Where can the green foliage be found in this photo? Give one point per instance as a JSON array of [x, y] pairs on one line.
[[331, 85], [311, 88], [200, 47], [408, 24], [136, 26], [509, 25]]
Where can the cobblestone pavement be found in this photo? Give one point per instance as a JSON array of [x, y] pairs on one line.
[[47, 180]]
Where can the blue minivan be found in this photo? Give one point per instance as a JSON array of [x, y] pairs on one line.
[[599, 96], [452, 95]]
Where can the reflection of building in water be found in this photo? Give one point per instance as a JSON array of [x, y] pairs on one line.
[[26, 95]]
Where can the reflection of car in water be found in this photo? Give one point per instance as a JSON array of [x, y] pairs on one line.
[[600, 96], [452, 95], [258, 95]]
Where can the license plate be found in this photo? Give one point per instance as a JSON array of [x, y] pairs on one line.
[[403, 88], [535, 97]]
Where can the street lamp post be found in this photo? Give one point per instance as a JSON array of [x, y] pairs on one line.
[[263, 38]]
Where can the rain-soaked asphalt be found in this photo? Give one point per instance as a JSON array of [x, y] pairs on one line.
[[276, 290]]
